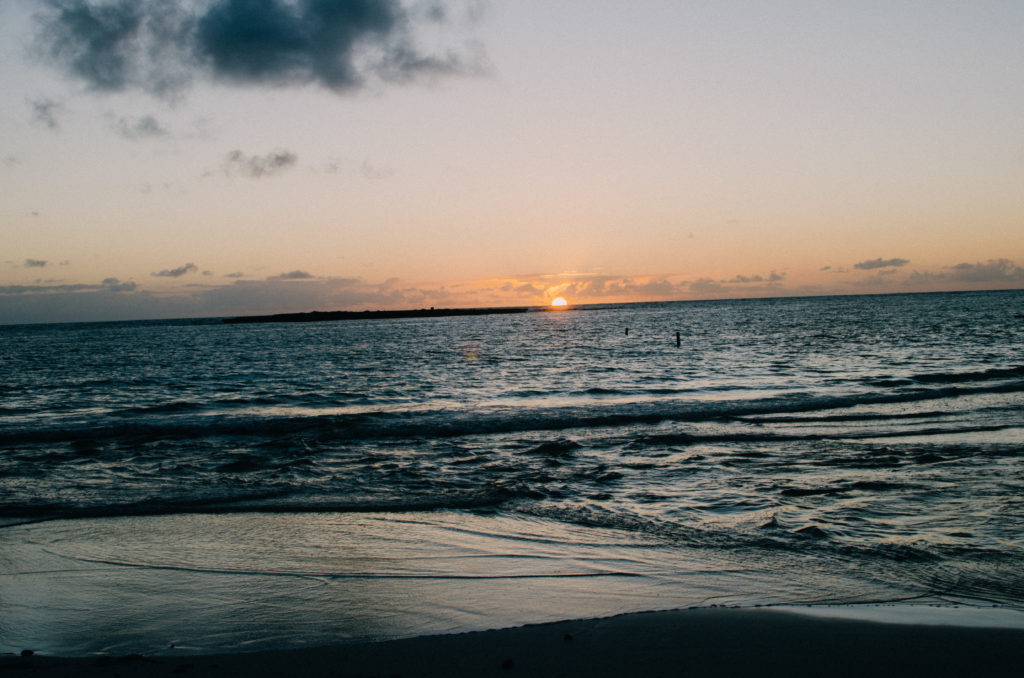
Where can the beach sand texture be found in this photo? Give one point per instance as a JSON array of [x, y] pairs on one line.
[[696, 642]]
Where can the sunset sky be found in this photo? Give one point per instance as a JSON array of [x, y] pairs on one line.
[[169, 158]]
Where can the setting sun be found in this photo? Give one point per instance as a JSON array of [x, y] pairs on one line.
[[559, 302]]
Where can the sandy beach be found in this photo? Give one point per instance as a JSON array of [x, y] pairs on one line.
[[695, 642]]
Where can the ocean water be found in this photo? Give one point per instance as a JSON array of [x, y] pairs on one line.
[[199, 486]]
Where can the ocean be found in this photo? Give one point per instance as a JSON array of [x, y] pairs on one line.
[[197, 486]]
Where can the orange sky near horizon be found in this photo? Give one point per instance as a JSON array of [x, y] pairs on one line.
[[489, 154]]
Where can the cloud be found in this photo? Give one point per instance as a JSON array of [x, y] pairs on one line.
[[45, 112], [881, 263], [115, 285], [237, 274], [108, 285], [607, 287], [706, 286], [295, 291], [176, 272], [42, 289], [114, 299], [35, 263], [284, 293], [161, 46], [375, 173], [603, 288], [257, 166], [772, 277], [994, 270], [523, 289], [293, 275], [991, 271], [139, 128]]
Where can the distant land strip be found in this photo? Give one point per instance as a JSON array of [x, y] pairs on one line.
[[321, 316]]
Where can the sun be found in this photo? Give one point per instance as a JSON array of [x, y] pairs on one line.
[[559, 302]]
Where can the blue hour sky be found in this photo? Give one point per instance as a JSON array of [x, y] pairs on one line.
[[219, 157]]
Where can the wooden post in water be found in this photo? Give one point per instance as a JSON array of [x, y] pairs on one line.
[[627, 331], [678, 341]]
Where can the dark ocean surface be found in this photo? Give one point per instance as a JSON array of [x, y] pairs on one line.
[[232, 487]]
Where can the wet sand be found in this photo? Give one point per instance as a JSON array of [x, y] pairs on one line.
[[696, 642]]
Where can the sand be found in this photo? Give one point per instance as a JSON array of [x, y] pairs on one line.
[[697, 642]]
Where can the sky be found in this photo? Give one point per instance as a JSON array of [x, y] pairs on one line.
[[194, 158]]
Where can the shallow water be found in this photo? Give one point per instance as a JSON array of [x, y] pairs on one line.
[[825, 450]]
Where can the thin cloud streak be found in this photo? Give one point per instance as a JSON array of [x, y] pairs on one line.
[[881, 263], [176, 272], [108, 285]]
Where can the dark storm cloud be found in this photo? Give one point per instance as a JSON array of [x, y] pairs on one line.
[[881, 263], [35, 263], [139, 128], [257, 166], [45, 112], [161, 45], [176, 272]]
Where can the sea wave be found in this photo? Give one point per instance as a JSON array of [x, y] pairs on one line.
[[286, 501], [179, 419]]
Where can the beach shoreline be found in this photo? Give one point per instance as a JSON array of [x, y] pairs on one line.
[[696, 642]]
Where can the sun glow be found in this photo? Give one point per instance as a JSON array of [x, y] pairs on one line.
[[559, 302]]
